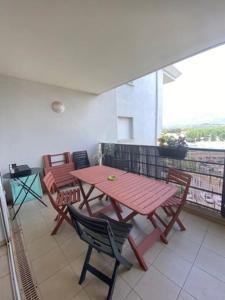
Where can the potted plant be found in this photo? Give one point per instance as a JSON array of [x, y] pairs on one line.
[[172, 145]]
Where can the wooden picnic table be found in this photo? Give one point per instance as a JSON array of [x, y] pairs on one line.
[[92, 176], [143, 196]]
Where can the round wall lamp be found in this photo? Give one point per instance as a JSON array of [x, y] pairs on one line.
[[58, 107]]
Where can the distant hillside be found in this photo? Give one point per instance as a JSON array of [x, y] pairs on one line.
[[205, 132], [199, 124]]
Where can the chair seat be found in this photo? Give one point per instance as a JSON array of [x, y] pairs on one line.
[[173, 201], [68, 197]]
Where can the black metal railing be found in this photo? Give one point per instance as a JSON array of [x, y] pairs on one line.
[[205, 165]]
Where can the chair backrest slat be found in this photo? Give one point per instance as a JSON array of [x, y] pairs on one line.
[[80, 159], [50, 186], [94, 231], [51, 160], [181, 179]]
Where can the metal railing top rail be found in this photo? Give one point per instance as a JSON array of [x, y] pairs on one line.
[[156, 146]]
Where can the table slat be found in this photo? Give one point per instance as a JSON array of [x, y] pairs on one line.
[[96, 174], [138, 193]]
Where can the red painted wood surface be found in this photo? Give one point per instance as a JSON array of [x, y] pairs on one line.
[[96, 174], [60, 165], [141, 194], [61, 200], [138, 193], [52, 160], [62, 174]]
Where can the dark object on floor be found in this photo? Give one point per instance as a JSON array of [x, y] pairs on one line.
[[105, 235]]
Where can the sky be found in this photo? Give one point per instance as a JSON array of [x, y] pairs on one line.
[[198, 95]]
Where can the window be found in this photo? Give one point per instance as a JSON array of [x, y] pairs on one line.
[[125, 128]]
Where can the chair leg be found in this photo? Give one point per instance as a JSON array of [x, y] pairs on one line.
[[162, 236], [56, 218], [181, 225], [62, 215], [85, 266], [173, 220], [160, 219], [54, 231], [113, 280], [167, 212]]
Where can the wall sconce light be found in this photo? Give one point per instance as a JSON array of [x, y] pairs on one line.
[[58, 107]]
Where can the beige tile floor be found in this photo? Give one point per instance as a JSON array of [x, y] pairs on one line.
[[191, 266], [5, 283]]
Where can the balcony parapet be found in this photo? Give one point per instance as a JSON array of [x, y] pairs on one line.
[[205, 165]]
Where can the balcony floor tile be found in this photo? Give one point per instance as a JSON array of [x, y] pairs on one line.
[[203, 286], [190, 267], [172, 266], [215, 242], [156, 285], [211, 262]]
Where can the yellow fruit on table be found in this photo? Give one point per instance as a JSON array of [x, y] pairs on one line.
[[111, 177]]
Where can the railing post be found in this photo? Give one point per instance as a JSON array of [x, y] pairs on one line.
[[223, 193]]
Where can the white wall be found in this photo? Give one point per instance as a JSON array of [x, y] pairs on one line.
[[159, 106], [139, 102], [29, 128]]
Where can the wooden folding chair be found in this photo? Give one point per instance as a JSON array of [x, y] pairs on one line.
[[105, 235], [174, 205], [60, 165], [60, 202]]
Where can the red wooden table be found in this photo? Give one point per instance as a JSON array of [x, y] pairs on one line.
[[93, 176], [142, 195]]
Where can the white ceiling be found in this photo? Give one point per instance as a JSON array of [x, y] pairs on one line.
[[95, 45]]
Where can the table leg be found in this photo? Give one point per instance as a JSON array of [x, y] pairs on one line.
[[17, 197], [100, 197], [27, 191], [86, 200], [82, 192], [139, 257], [147, 242], [130, 239], [85, 197], [154, 223], [30, 191]]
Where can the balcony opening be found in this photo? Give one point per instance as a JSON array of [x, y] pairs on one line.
[[193, 104]]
